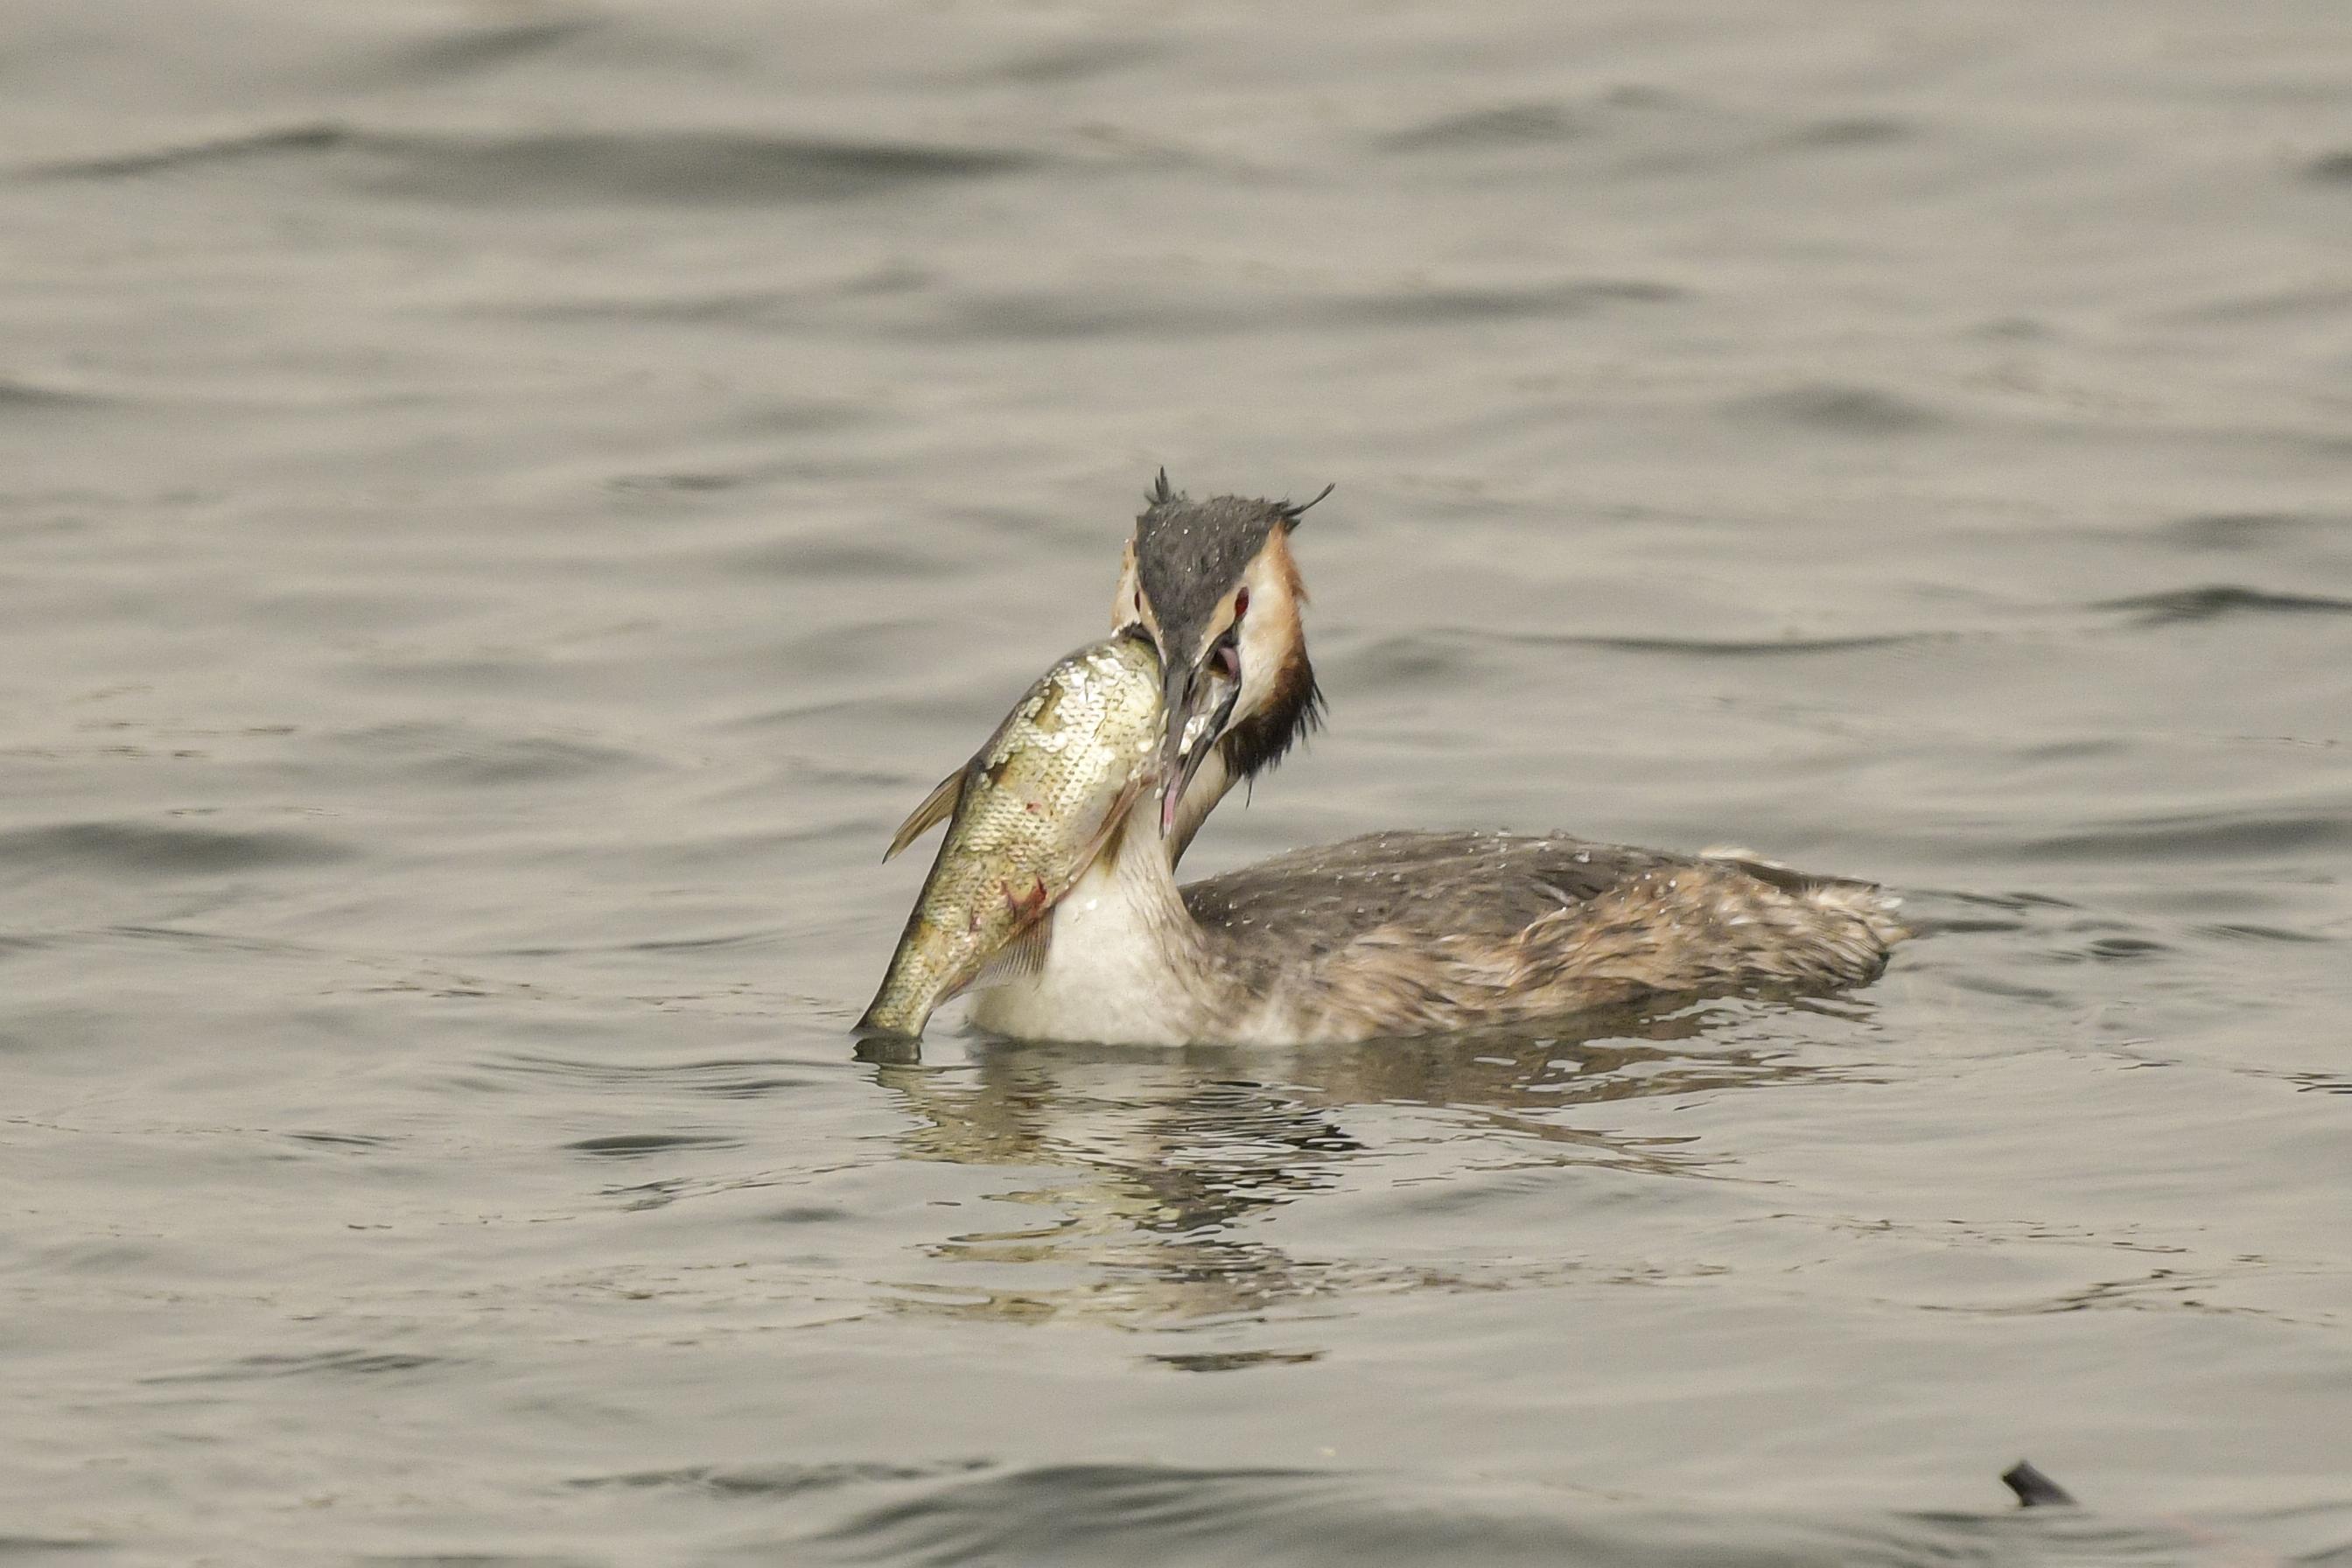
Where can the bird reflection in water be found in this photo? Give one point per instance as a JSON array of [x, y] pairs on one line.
[[1165, 1161]]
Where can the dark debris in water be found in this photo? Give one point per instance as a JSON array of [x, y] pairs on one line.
[[2320, 1083], [2033, 1489]]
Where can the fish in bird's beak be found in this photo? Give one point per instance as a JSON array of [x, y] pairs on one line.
[[1198, 696]]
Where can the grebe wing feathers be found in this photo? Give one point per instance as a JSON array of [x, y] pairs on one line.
[[1446, 930], [1488, 884]]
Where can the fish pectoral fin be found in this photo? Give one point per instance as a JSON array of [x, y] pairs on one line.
[[1023, 958], [937, 807]]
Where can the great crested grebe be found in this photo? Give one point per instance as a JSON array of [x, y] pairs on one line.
[[1390, 934]]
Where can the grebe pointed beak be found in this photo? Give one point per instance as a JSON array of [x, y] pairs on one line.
[[1199, 702]]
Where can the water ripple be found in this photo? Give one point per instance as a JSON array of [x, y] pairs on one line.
[[41, 1548], [1845, 409], [349, 1362], [727, 1077], [557, 168], [1075, 62], [1163, 1514], [1477, 130], [2242, 834], [1854, 130], [149, 849], [1128, 310], [465, 756], [1434, 657], [489, 48], [1572, 297], [1731, 648], [2330, 169], [32, 397], [2237, 531], [638, 1145], [775, 1480], [2214, 601], [269, 142]]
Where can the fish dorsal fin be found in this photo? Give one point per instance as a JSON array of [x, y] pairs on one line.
[[937, 807], [1023, 958]]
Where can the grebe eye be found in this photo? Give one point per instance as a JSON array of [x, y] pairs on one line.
[[1241, 604]]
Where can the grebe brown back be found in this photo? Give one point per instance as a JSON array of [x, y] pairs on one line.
[[1390, 934]]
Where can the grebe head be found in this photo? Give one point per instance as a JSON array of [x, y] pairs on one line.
[[1215, 584]]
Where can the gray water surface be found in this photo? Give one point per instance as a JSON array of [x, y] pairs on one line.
[[503, 507]]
